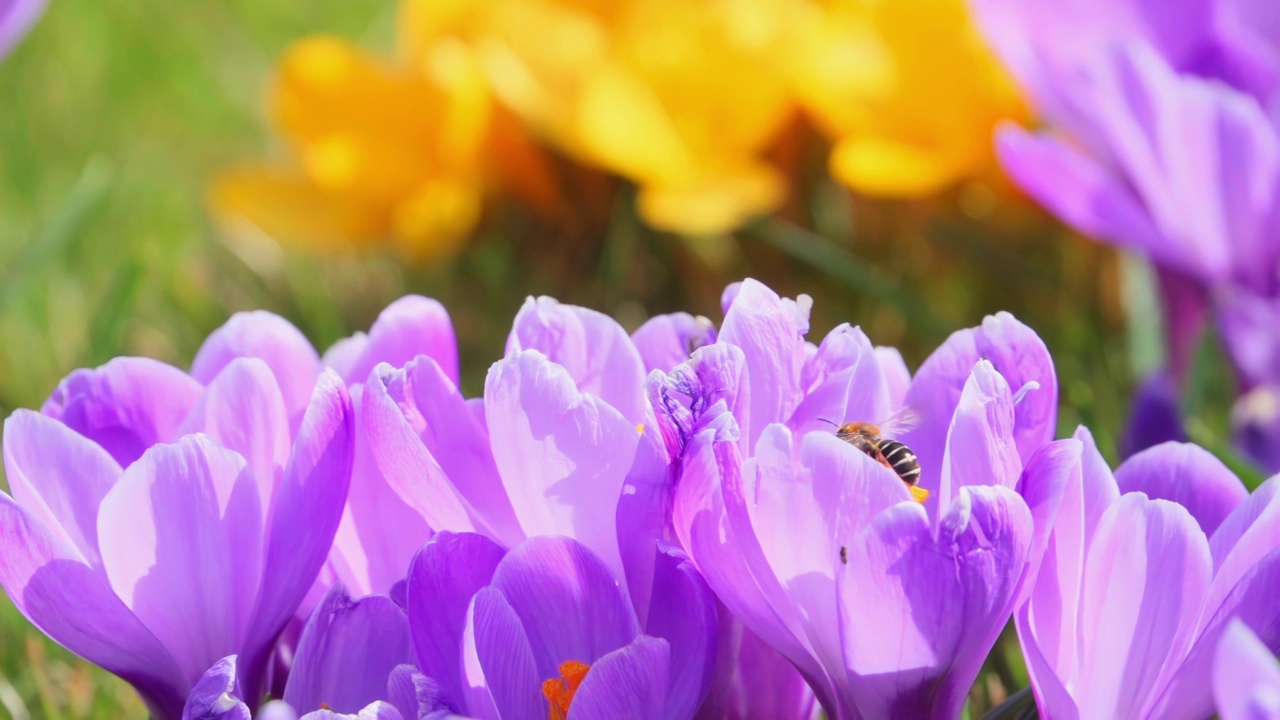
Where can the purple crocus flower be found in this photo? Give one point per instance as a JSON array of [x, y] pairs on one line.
[[217, 696], [822, 551], [1162, 140], [1143, 573], [184, 536], [1246, 679], [542, 630]]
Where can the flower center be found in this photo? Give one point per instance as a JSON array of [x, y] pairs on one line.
[[559, 691]]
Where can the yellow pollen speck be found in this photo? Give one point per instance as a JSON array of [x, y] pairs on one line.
[[640, 429], [918, 494]]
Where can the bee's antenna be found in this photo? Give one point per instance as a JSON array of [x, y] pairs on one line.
[[832, 424]]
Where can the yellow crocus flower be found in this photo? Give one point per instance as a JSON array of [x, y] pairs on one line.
[[906, 88], [402, 150], [680, 96]]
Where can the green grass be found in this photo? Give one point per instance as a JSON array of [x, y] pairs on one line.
[[119, 111]]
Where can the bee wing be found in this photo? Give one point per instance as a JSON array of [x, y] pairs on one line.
[[902, 421]]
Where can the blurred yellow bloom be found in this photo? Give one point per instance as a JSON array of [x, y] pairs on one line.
[[906, 88], [680, 96], [401, 150]]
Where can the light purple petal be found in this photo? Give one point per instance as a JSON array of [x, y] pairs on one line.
[[981, 447], [242, 410], [384, 531], [844, 381], [308, 507], [1252, 601], [270, 338], [570, 604], [126, 406], [770, 331], [445, 574], [181, 539], [347, 653], [373, 711], [1017, 354], [409, 327], [1247, 321], [1188, 475], [59, 477], [1077, 189], [563, 455], [894, 370], [216, 695], [665, 341], [718, 546], [1246, 679], [684, 614], [1051, 471], [629, 683], [499, 663], [1145, 578], [940, 603], [591, 346], [74, 604], [644, 512]]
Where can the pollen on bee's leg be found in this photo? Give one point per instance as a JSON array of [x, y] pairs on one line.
[[918, 494], [559, 691]]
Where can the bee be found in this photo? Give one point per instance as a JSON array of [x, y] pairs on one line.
[[893, 454]]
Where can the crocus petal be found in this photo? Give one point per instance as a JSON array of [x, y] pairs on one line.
[[684, 614], [308, 507], [644, 511], [181, 538], [1053, 468], [1017, 354], [383, 531], [1048, 622], [1246, 679], [499, 662], [415, 695], [629, 683], [1076, 188], [981, 447], [665, 341], [216, 695], [16, 18], [1245, 320], [1145, 578], [1251, 601], [1155, 416], [770, 331], [844, 381], [753, 680], [591, 346], [1188, 475], [444, 576], [273, 340], [74, 604], [409, 327], [563, 455], [940, 602], [373, 711], [347, 653], [59, 477], [456, 441], [126, 406], [570, 604], [894, 370], [242, 410]]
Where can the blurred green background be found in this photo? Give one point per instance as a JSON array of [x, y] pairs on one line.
[[118, 113]]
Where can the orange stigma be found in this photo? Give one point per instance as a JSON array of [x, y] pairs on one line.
[[559, 691]]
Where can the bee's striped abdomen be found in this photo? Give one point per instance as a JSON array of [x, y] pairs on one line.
[[900, 458]]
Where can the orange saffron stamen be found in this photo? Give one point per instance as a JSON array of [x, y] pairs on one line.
[[559, 691]]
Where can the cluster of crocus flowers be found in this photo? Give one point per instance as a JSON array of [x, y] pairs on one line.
[[655, 525], [1161, 139], [688, 100]]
